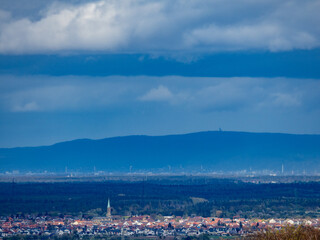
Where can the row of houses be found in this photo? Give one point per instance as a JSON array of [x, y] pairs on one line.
[[141, 225]]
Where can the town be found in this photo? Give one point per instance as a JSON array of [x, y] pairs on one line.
[[139, 226]]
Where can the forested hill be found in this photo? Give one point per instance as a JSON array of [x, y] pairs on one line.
[[201, 151]]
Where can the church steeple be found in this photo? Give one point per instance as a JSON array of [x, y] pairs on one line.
[[109, 209]]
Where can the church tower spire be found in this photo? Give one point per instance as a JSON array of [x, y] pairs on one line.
[[109, 209]]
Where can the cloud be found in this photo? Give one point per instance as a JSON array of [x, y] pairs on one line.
[[160, 93], [225, 95], [286, 100], [27, 107], [161, 27], [52, 94], [257, 36]]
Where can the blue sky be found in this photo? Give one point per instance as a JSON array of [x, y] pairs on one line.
[[94, 69]]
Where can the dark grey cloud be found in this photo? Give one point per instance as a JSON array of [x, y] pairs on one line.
[[160, 26]]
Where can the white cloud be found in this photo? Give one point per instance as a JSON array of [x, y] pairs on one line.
[[160, 93], [256, 36], [161, 26], [27, 107]]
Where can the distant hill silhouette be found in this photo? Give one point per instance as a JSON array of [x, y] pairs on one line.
[[209, 151]]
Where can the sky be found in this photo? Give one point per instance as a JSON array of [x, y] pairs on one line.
[[95, 69]]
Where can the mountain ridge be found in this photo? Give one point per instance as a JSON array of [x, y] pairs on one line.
[[209, 150], [146, 135]]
